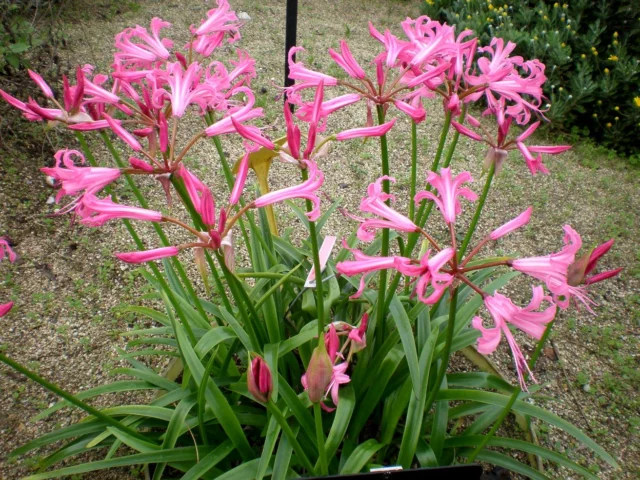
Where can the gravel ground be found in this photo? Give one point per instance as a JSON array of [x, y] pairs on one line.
[[70, 291]]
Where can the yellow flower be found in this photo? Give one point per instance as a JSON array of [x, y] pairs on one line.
[[617, 118], [491, 7], [568, 27], [599, 102], [615, 42], [504, 14], [609, 125], [595, 52], [545, 18], [556, 5], [613, 58], [636, 100], [595, 115], [505, 6], [615, 34], [583, 56], [563, 44], [469, 17], [560, 89], [565, 6], [617, 109], [606, 71]]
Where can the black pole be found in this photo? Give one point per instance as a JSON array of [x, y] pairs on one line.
[[290, 38]]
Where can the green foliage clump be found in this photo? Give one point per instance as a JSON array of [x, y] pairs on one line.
[[591, 51], [24, 26]]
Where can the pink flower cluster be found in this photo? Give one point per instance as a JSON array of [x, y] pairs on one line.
[[564, 275]]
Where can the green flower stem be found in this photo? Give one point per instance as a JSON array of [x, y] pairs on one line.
[[320, 440], [277, 414], [434, 166], [514, 396], [541, 344], [453, 307], [143, 203], [316, 266], [384, 251], [71, 398], [414, 170], [476, 216], [201, 397]]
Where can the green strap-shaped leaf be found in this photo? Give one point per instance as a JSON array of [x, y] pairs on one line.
[[528, 409], [509, 463], [215, 399], [273, 430], [182, 454], [212, 338], [341, 420], [283, 457], [173, 430], [239, 331], [209, 461], [408, 341], [528, 447], [415, 414], [360, 456]]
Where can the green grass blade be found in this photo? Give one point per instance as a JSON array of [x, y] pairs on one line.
[[408, 340], [273, 430]]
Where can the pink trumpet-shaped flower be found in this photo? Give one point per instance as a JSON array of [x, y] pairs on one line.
[[376, 131], [449, 189], [308, 78], [430, 275], [95, 212], [415, 110], [520, 221], [150, 49], [306, 190], [73, 179], [148, 255], [220, 19], [5, 308], [346, 61], [375, 203], [46, 89], [553, 269], [366, 264], [332, 342], [338, 377], [259, 381], [7, 251], [293, 133], [117, 128], [242, 114], [185, 88], [504, 312]]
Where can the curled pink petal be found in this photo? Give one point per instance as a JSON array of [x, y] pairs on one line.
[[512, 225]]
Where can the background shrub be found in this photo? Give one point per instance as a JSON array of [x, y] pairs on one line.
[[591, 50]]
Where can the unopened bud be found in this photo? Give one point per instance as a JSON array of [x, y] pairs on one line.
[[318, 374], [259, 381], [228, 251]]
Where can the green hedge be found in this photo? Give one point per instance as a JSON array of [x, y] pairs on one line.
[[591, 51]]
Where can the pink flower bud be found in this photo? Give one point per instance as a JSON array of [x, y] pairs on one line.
[[259, 381], [495, 156], [319, 373], [520, 221]]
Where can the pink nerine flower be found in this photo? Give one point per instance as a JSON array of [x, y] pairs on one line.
[[150, 49], [504, 312], [73, 179], [449, 189], [185, 88], [577, 276], [95, 212], [375, 203], [148, 255], [358, 336], [430, 275], [306, 190], [4, 308], [366, 264], [7, 251], [338, 377], [46, 89], [346, 61], [553, 269]]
